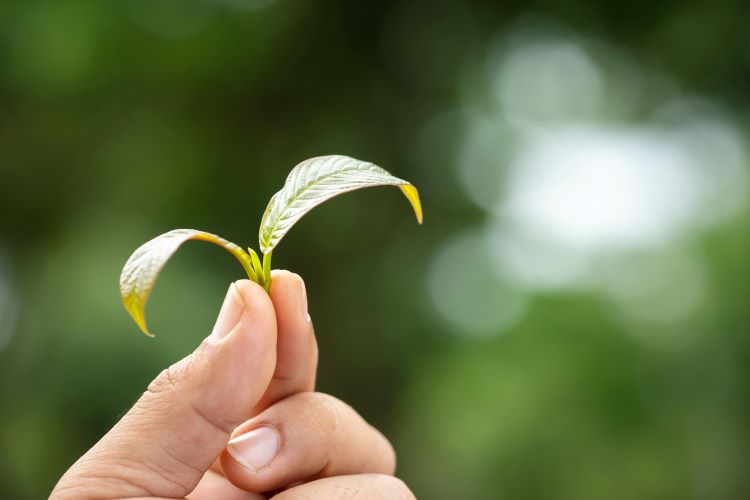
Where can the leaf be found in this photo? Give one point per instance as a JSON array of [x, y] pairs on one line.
[[316, 180], [142, 268]]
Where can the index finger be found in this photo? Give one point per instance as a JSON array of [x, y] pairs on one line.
[[296, 347]]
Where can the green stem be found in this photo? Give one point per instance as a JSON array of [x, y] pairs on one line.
[[262, 270], [239, 254], [267, 271], [247, 264]]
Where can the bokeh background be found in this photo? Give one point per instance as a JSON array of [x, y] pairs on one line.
[[571, 322]]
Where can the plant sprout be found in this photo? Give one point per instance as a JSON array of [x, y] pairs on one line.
[[308, 185]]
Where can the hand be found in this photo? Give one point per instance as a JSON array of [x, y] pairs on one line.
[[189, 434]]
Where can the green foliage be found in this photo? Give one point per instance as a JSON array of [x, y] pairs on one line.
[[308, 185], [316, 180]]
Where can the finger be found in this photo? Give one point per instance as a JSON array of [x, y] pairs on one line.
[[213, 486], [307, 435], [165, 443], [296, 347], [369, 486]]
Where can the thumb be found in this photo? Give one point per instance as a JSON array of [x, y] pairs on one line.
[[180, 425]]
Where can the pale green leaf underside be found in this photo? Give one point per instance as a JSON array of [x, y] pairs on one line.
[[142, 268], [316, 180]]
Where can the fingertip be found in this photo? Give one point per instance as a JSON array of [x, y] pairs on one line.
[[303, 436], [253, 296], [288, 290], [248, 287], [258, 317], [284, 282], [281, 272], [287, 276]]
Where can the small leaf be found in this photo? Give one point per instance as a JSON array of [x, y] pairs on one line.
[[139, 274], [257, 266], [316, 180]]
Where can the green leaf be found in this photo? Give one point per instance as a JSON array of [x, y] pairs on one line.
[[316, 180], [142, 268]]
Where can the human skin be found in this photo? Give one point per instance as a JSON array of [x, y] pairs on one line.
[[238, 419]]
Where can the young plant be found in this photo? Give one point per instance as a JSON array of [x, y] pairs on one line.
[[308, 185]]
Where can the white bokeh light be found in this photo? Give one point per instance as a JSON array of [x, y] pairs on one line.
[[577, 174], [467, 292], [531, 261], [593, 188], [546, 79]]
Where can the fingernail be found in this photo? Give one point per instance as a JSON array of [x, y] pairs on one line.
[[255, 449], [305, 314], [230, 314]]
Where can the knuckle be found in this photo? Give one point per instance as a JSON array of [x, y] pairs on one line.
[[173, 378], [162, 383], [174, 383], [167, 381], [339, 425], [160, 392], [96, 480], [330, 413]]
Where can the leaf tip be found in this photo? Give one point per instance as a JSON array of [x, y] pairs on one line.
[[135, 308], [412, 195], [144, 328]]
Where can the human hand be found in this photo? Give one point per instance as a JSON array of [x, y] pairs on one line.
[[189, 434]]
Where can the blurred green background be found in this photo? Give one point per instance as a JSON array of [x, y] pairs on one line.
[[571, 322]]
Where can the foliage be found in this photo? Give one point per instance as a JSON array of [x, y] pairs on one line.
[[308, 185]]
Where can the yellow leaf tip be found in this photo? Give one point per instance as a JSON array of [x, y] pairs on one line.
[[412, 195], [141, 322]]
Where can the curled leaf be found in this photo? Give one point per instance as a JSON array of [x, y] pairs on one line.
[[142, 268], [316, 180]]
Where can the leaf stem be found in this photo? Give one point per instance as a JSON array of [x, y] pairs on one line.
[[246, 264], [267, 271], [262, 270], [239, 254]]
